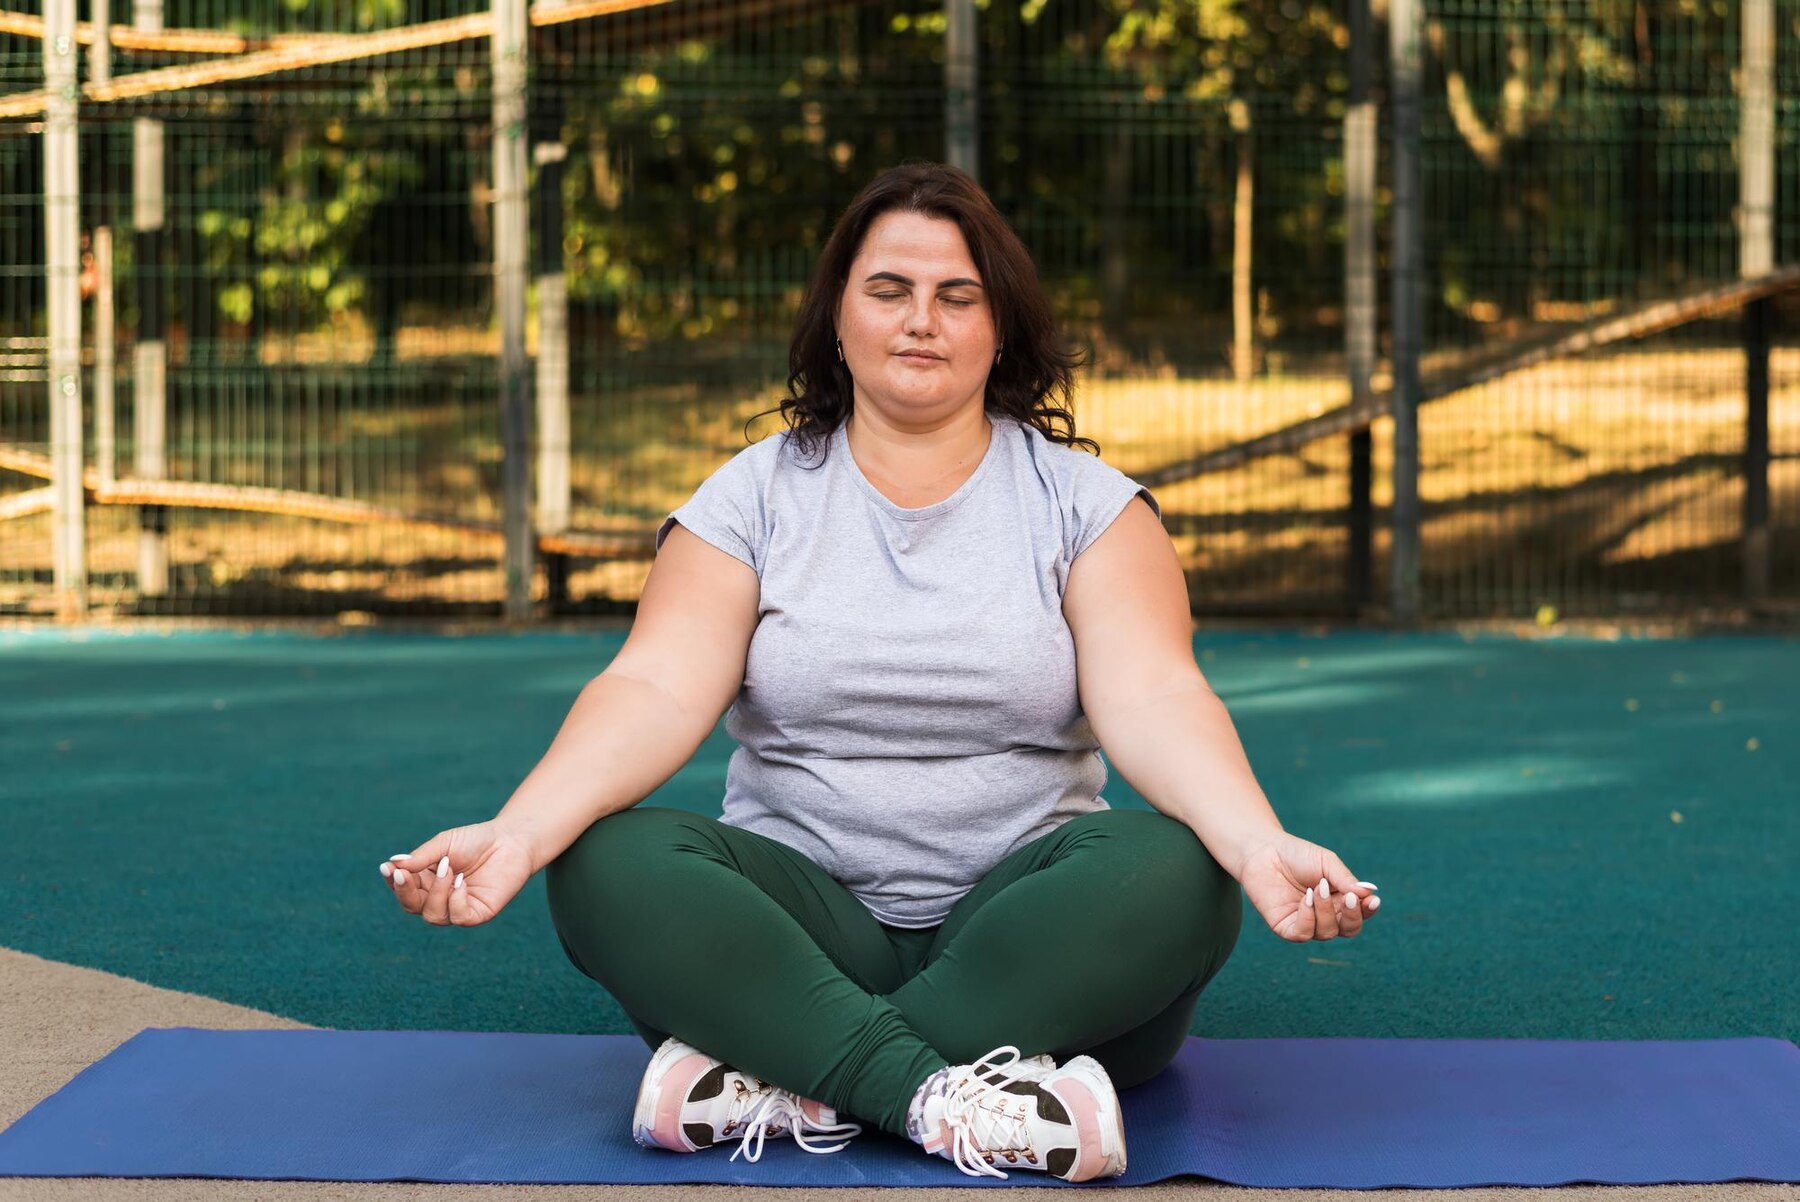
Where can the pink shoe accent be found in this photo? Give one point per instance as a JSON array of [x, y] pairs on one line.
[[817, 1113], [672, 1094], [1084, 1108], [937, 1139]]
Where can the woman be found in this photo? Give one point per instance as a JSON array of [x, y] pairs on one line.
[[926, 608]]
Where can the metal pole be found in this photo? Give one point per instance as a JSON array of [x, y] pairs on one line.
[[512, 218], [150, 354], [552, 363], [105, 367], [1360, 301], [960, 82], [1756, 256], [1403, 46], [1243, 315], [62, 243]]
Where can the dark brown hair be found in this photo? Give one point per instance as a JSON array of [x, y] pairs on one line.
[[1034, 380]]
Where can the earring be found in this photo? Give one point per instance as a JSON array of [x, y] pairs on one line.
[[1001, 350], [840, 346]]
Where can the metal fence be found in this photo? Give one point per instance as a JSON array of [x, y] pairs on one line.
[[414, 306]]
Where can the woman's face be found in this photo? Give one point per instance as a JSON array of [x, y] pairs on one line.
[[917, 330]]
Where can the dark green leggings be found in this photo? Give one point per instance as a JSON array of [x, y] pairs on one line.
[[1096, 938]]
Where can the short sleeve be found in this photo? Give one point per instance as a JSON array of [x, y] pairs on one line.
[[1102, 492], [727, 510]]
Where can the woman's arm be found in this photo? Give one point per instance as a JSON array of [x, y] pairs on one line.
[[634, 725], [1169, 735], [1159, 722]]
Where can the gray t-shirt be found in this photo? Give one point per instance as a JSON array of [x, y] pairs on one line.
[[909, 715]]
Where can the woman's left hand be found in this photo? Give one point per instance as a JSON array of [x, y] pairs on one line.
[[1304, 892]]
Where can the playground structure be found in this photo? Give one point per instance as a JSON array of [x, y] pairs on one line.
[[528, 532]]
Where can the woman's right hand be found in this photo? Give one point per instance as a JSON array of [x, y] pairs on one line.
[[461, 877]]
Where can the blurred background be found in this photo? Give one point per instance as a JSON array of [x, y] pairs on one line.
[[419, 307]]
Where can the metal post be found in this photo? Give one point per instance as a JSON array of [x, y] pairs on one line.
[[105, 366], [512, 218], [1243, 315], [552, 362], [62, 244], [960, 81], [1403, 46], [1756, 256], [1360, 302], [150, 354]]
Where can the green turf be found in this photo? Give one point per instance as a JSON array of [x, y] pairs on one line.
[[206, 810]]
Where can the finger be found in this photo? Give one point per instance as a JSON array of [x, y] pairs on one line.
[[462, 913], [1325, 912], [1342, 879], [409, 890], [437, 896], [1350, 915], [426, 857], [1298, 927]]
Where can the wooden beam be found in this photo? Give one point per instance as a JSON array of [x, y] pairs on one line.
[[313, 52], [26, 504], [629, 541], [166, 41], [1654, 318]]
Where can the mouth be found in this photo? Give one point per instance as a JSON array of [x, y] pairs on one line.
[[924, 356]]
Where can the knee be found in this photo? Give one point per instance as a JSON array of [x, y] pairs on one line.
[[1169, 881], [615, 860]]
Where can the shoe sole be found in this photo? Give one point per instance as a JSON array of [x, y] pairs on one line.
[[1111, 1116]]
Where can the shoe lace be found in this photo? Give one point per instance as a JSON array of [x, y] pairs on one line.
[[983, 1117], [770, 1111]]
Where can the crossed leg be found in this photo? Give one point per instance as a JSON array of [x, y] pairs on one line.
[[1097, 938]]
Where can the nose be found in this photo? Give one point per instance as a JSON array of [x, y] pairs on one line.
[[921, 315]]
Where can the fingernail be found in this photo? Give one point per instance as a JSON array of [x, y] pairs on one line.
[[387, 869], [443, 867], [1366, 885], [401, 856], [1349, 901], [1309, 900], [399, 876], [458, 885], [1373, 903], [1324, 888]]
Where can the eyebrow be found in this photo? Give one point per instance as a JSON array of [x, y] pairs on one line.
[[962, 281]]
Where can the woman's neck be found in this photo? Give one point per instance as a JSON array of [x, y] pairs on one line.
[[919, 466]]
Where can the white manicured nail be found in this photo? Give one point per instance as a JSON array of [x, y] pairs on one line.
[[458, 885], [1324, 888], [1309, 900], [1373, 903], [1366, 885], [443, 868], [402, 856], [1350, 901], [399, 876], [387, 869]]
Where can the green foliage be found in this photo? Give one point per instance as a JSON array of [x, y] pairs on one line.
[[703, 173], [291, 252]]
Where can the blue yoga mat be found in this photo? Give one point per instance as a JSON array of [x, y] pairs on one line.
[[450, 1106]]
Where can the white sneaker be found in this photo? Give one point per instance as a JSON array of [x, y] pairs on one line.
[[689, 1100], [1027, 1114]]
